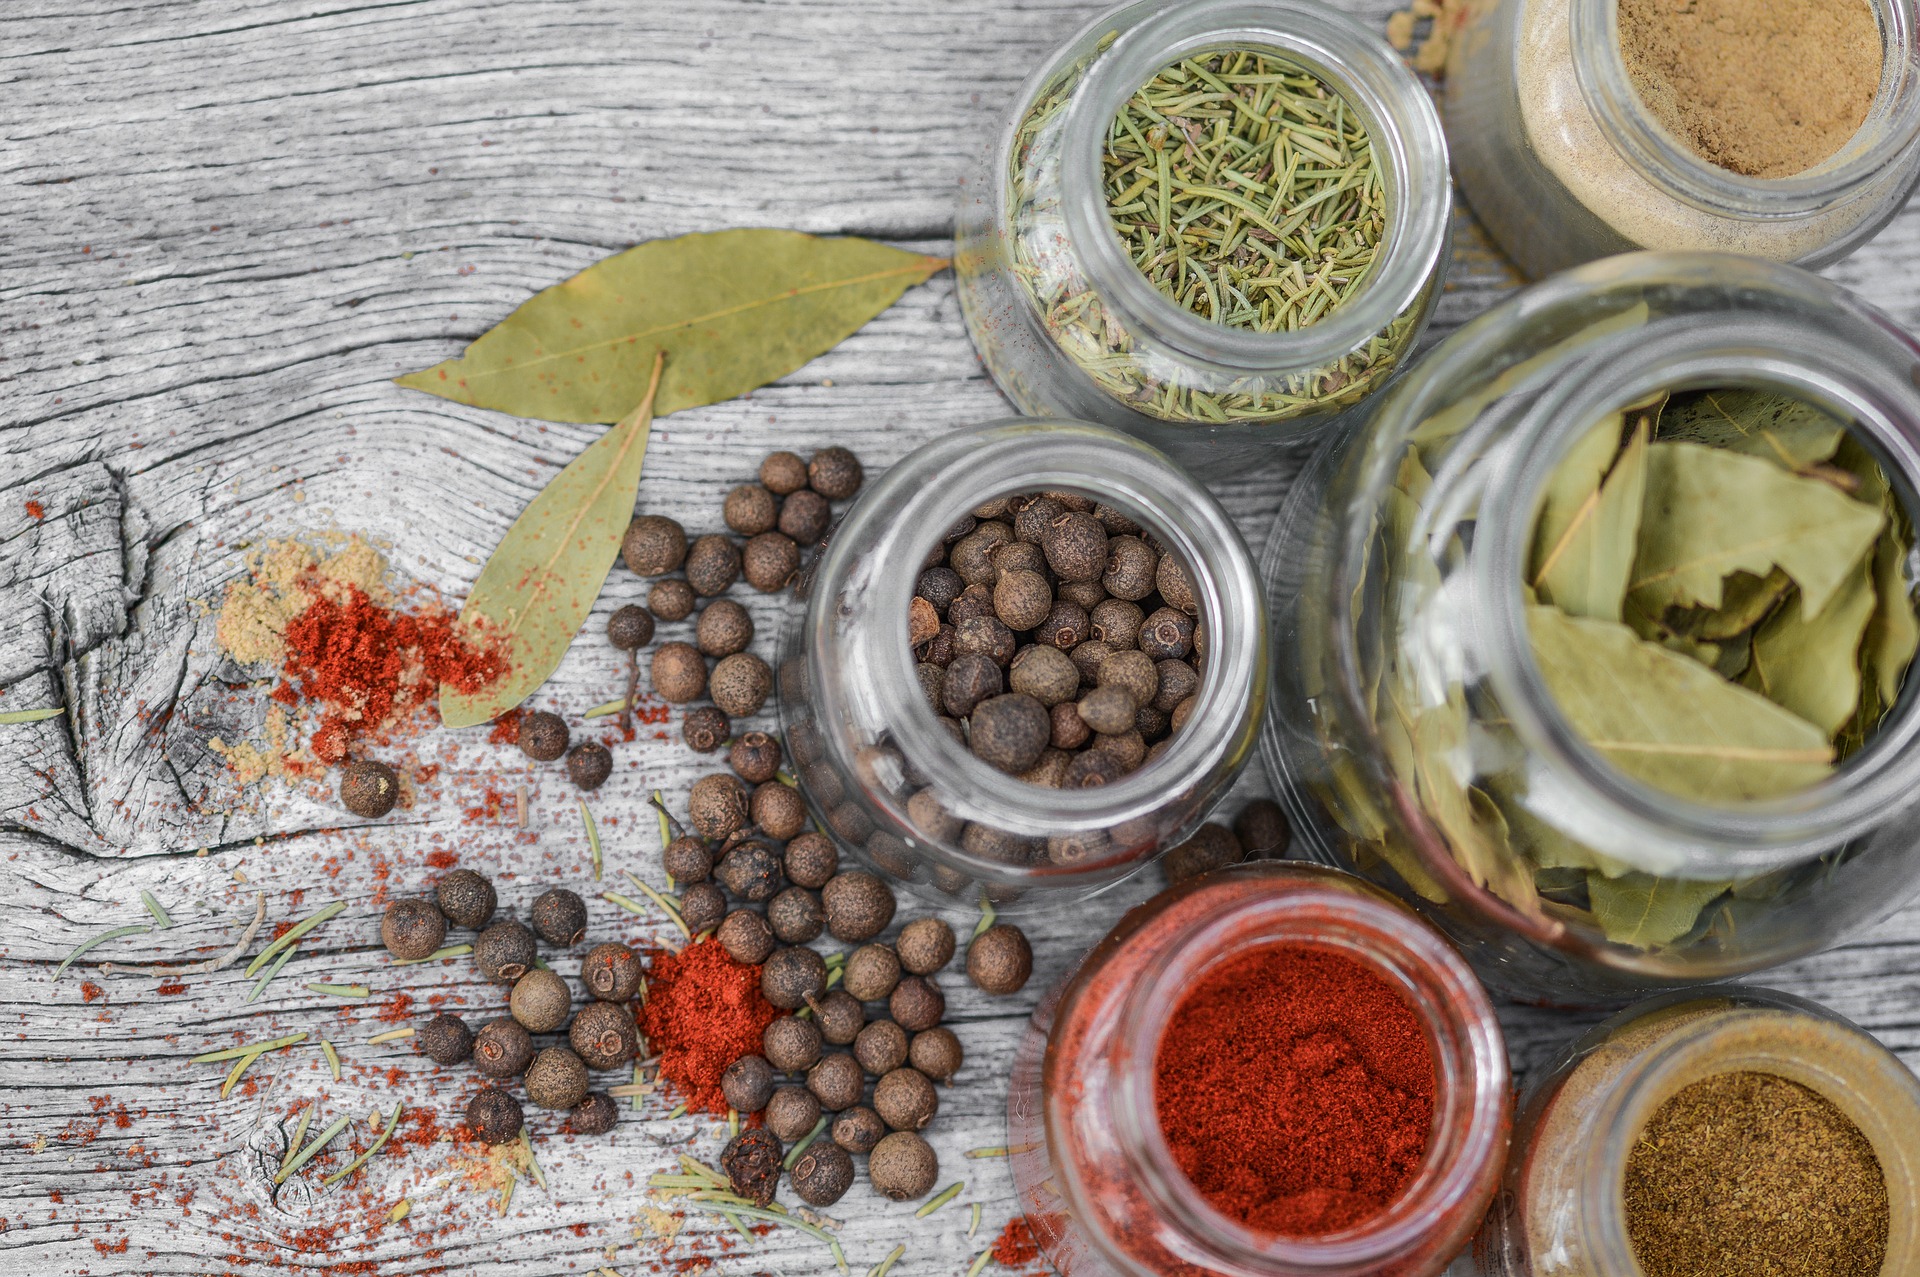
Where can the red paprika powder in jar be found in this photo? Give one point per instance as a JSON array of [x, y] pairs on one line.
[[1275, 1070]]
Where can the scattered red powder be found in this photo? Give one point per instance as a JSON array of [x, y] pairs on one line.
[[365, 665], [1015, 1247], [442, 859], [36, 510], [703, 1011], [398, 1009], [171, 988], [506, 728], [89, 990]]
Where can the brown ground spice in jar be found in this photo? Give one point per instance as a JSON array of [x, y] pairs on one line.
[[1764, 88], [1747, 1174]]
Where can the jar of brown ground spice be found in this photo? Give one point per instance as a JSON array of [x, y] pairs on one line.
[[1728, 1131], [1784, 129]]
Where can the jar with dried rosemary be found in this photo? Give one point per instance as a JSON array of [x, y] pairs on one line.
[[1214, 224]]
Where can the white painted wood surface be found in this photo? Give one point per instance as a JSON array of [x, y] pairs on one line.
[[223, 227]]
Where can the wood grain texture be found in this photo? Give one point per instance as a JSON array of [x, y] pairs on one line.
[[228, 226]]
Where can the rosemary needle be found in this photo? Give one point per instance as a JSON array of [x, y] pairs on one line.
[[308, 1153], [153, 907], [946, 1195], [102, 938], [294, 933], [372, 1148]]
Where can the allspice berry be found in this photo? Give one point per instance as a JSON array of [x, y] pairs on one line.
[[595, 1115], [770, 561], [804, 516], [1108, 710], [603, 1035], [494, 1116], [1000, 959], [544, 736], [705, 728], [502, 1048], [612, 972], [670, 600], [1130, 568], [1076, 546], [903, 1166], [792, 1112], [724, 628], [1046, 674], [466, 898], [795, 916], [823, 1174], [783, 472], [872, 971], [752, 1163], [834, 473], [1010, 732], [755, 757], [789, 975], [1213, 846], [858, 1129], [812, 860], [717, 805], [839, 1015], [702, 906], [560, 917], [924, 945], [752, 871], [970, 679], [630, 628], [1022, 599], [679, 673], [905, 1099], [750, 509], [747, 1084], [653, 545], [446, 1039], [504, 951], [687, 860], [881, 1047], [540, 1001], [936, 1053], [859, 906], [412, 929], [917, 1003], [713, 565], [791, 1045], [740, 684], [746, 937], [588, 765], [837, 1082], [1261, 828], [1175, 588], [369, 789], [556, 1079]]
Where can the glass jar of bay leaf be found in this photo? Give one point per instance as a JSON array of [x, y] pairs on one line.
[[1593, 643], [1214, 224], [900, 785]]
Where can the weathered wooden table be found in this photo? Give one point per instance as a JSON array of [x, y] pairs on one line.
[[226, 227]]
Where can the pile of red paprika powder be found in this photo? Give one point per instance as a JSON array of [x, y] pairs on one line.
[[703, 1011]]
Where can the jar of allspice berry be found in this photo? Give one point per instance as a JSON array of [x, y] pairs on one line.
[[1030, 659], [1595, 644], [1214, 224], [1706, 1122], [1271, 1070]]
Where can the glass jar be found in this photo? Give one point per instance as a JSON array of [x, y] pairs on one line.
[[1561, 1211], [1413, 734], [1092, 1169], [1563, 163], [866, 740], [1070, 327]]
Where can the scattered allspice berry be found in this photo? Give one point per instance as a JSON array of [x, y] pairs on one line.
[[671, 600], [747, 1084], [792, 1112], [687, 860], [789, 975], [936, 1053], [1262, 830], [494, 1116], [823, 1174], [543, 736], [881, 1047], [752, 1163], [446, 1039], [560, 917], [679, 673], [746, 937], [702, 906], [466, 898], [905, 1099], [556, 1079], [834, 473], [783, 472], [858, 1129], [924, 945], [740, 684], [812, 860], [749, 509], [804, 516], [603, 1035], [612, 972], [412, 929], [791, 1045], [589, 764], [837, 1081], [917, 1003], [903, 1166], [724, 628], [504, 951], [369, 788], [752, 871], [630, 628], [717, 806], [540, 1001], [840, 1016], [999, 960], [595, 1115], [795, 915], [872, 971], [770, 561], [778, 810], [755, 757], [859, 906], [713, 565], [653, 545], [705, 728], [502, 1048]]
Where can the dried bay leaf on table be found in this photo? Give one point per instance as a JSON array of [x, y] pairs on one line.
[[1669, 721], [541, 580], [1811, 665], [1710, 512], [732, 310], [1586, 571], [1789, 432], [1644, 911]]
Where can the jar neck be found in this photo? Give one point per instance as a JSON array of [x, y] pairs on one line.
[[1812, 362], [1890, 131], [1469, 1068], [1408, 144]]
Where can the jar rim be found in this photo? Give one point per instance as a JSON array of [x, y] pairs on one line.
[[1408, 141], [1889, 134]]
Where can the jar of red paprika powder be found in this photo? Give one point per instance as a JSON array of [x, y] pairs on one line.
[[1274, 1070]]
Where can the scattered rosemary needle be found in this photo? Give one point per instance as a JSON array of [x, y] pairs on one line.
[[102, 938], [679, 1110], [450, 951], [153, 907], [299, 1133], [401, 1209], [974, 1226], [800, 1145], [988, 914], [341, 990], [663, 902], [30, 715], [637, 1084], [884, 1266], [998, 1151], [372, 1148], [506, 1195], [666, 830], [773, 1217], [391, 1035], [733, 1121], [294, 933], [235, 1052], [593, 837], [946, 1195], [606, 708], [980, 1263], [533, 1163], [333, 1057], [267, 976], [308, 1153], [240, 1066]]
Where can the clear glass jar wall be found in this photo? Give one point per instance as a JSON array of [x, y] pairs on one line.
[[1563, 164], [1093, 1172], [866, 741], [1069, 326], [1413, 735], [1562, 1212]]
